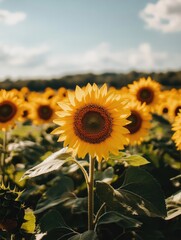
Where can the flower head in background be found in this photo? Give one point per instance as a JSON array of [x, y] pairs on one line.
[[11, 109], [176, 127], [139, 122], [146, 91], [42, 109]]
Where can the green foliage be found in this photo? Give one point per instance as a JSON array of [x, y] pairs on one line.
[[55, 194], [50, 220], [88, 235], [129, 200], [132, 160], [133, 197], [119, 219], [106, 176]]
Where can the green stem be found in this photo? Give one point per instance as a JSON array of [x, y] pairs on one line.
[[91, 194], [99, 212], [3, 156], [100, 166], [83, 171]]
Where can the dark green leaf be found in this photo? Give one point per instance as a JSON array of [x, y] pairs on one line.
[[140, 194], [76, 204], [117, 218], [56, 194], [61, 233], [150, 235], [88, 235], [52, 219], [105, 176], [142, 184]]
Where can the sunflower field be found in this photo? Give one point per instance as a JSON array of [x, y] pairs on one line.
[[96, 163]]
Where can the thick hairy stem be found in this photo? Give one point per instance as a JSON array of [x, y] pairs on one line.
[[91, 194]]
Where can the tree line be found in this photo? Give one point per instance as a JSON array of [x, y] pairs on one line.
[[170, 79]]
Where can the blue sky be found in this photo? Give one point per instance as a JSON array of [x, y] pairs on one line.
[[45, 38]]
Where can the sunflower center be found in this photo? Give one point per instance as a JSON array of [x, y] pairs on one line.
[[165, 110], [7, 111], [93, 124], [135, 123], [45, 112], [145, 95], [177, 110]]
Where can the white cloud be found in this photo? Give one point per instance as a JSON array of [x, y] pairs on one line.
[[164, 15], [103, 58], [21, 61], [19, 56], [11, 18], [40, 61]]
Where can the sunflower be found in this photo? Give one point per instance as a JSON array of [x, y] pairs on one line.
[[140, 122], [62, 93], [11, 108], [175, 107], [146, 91], [25, 91], [92, 122], [26, 112], [42, 110], [163, 109], [166, 109], [49, 93], [176, 127]]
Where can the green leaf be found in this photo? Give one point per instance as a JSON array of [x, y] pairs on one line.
[[57, 194], [77, 205], [52, 163], [149, 234], [135, 160], [73, 167], [142, 184], [105, 176], [173, 206], [117, 218], [61, 233], [140, 194], [116, 157], [52, 219], [30, 221], [28, 150], [88, 235], [171, 161], [132, 160]]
